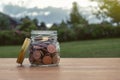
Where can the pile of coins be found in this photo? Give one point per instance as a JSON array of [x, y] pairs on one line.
[[43, 53]]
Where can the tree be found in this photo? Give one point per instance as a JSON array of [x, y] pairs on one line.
[[63, 25], [27, 25], [43, 26], [54, 27], [75, 17], [109, 8], [35, 22], [4, 22]]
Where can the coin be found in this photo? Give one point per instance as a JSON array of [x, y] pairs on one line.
[[47, 60], [36, 47], [37, 62], [31, 59], [36, 54], [56, 59], [51, 48]]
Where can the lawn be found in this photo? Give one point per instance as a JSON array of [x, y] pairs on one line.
[[89, 48]]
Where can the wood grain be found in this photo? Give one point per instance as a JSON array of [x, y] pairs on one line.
[[68, 69]]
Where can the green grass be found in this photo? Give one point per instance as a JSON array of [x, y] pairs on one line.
[[9, 51], [90, 48]]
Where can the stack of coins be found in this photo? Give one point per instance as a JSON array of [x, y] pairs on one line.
[[43, 53]]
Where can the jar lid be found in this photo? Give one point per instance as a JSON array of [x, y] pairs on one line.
[[23, 50]]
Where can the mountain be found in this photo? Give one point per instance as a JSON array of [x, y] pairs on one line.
[[48, 14], [7, 22]]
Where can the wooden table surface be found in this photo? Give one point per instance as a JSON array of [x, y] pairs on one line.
[[68, 69]]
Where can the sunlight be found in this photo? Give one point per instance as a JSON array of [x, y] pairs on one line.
[[49, 25], [34, 13], [46, 13], [86, 3]]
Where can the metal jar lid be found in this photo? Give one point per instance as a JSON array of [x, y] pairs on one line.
[[23, 50]]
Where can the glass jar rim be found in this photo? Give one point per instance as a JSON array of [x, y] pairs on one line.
[[41, 32]]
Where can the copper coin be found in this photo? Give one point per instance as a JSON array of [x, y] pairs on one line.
[[37, 61], [36, 54], [56, 59], [31, 59], [51, 48], [47, 60]]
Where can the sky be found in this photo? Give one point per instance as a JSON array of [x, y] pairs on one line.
[[42, 4], [67, 4]]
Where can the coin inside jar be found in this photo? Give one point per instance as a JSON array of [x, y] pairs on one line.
[[36, 47], [44, 48], [51, 48], [37, 54], [47, 60], [37, 61], [56, 59], [31, 59]]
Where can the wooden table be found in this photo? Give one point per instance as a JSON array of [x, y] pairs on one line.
[[69, 69]]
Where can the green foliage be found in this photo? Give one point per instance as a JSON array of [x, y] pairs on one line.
[[77, 27], [66, 35], [103, 31], [42, 26], [117, 31], [83, 32], [54, 27], [109, 8], [27, 25], [4, 22], [11, 38], [35, 21], [75, 16]]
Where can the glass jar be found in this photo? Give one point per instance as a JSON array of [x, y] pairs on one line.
[[44, 48]]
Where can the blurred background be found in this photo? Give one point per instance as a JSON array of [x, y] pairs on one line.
[[86, 28]]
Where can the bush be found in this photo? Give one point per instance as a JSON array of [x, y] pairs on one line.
[[86, 32], [66, 35], [76, 32], [11, 38], [102, 31], [117, 31], [97, 32]]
